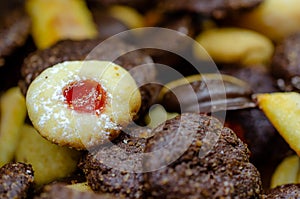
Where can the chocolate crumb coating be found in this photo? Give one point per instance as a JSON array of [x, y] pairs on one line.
[[212, 8], [111, 168], [223, 172], [16, 180], [284, 191], [69, 50], [286, 63], [14, 30], [61, 191]]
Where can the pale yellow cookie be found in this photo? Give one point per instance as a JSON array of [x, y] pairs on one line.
[[82, 103]]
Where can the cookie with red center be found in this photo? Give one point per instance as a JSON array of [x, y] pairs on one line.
[[82, 104]]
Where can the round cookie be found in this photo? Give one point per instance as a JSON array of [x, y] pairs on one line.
[[82, 103], [69, 50], [102, 167], [223, 172], [15, 180]]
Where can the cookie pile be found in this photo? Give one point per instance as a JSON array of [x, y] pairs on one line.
[[149, 99]]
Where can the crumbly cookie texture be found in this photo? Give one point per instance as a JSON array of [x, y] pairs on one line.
[[16, 180], [81, 104]]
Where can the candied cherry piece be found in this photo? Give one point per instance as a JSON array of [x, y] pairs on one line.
[[85, 96]]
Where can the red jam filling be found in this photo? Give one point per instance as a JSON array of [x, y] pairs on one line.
[[85, 96]]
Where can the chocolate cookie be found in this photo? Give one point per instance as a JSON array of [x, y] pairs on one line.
[[286, 63], [14, 30], [284, 191], [215, 163], [79, 50], [15, 180], [61, 191], [215, 8], [111, 168]]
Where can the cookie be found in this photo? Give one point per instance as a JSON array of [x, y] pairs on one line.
[[79, 50], [15, 180], [285, 64], [14, 31], [82, 103], [111, 168], [223, 171], [284, 191], [214, 8]]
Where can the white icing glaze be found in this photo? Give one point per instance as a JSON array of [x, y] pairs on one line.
[[52, 117]]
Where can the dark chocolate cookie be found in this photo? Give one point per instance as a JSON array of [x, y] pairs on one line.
[[14, 30], [15, 180], [284, 191], [223, 172], [79, 50], [286, 63], [60, 191], [110, 168], [215, 8]]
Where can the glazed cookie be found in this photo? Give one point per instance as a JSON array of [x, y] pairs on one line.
[[224, 171], [15, 180], [82, 104]]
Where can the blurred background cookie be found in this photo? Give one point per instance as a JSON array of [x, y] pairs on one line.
[[286, 63], [215, 8]]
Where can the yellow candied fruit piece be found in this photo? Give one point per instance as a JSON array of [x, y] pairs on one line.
[[286, 172], [283, 110], [158, 115], [59, 19], [13, 113], [83, 186]]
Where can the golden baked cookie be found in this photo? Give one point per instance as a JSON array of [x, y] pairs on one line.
[[82, 103]]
